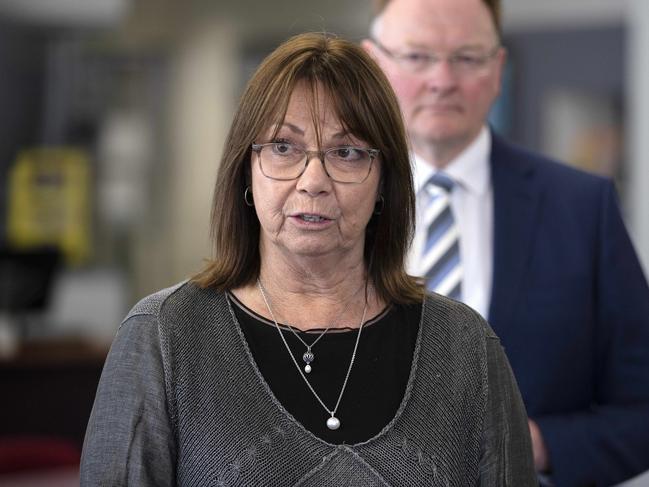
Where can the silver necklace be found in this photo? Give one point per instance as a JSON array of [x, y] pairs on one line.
[[308, 356], [333, 423]]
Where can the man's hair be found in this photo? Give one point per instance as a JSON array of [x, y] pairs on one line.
[[344, 75], [492, 5]]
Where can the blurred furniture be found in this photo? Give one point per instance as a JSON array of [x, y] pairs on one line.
[[26, 278], [54, 477], [48, 389], [36, 453]]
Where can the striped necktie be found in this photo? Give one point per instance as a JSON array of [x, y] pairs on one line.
[[440, 259]]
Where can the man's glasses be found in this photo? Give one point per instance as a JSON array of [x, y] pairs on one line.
[[462, 63], [284, 161]]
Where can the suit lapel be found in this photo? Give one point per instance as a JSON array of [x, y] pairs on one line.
[[516, 213]]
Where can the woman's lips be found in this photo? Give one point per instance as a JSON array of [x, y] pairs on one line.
[[311, 219]]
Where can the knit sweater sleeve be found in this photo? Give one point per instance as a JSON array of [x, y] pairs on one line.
[[506, 452], [129, 439]]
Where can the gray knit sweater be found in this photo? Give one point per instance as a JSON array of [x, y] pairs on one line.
[[181, 402]]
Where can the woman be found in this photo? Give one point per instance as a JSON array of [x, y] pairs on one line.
[[303, 354]]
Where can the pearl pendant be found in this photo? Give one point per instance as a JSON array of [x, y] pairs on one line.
[[333, 423], [307, 368]]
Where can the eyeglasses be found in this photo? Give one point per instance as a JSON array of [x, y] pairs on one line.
[[419, 61], [345, 164]]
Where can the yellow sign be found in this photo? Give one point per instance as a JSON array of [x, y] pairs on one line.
[[49, 201]]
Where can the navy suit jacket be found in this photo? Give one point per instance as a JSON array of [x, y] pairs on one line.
[[571, 306]]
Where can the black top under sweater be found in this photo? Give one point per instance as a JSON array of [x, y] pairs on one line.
[[376, 384]]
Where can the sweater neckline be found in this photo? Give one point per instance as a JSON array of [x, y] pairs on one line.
[[232, 299], [270, 396]]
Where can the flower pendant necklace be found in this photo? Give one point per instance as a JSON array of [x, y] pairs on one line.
[[333, 423], [308, 356]]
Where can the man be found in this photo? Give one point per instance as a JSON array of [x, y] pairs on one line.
[[538, 248]]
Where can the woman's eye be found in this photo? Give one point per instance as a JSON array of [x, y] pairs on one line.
[[346, 154], [282, 148]]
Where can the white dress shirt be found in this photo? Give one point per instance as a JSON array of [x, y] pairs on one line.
[[472, 207]]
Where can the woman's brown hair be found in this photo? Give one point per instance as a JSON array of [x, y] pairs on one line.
[[366, 106]]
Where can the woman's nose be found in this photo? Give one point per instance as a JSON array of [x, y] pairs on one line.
[[314, 179]]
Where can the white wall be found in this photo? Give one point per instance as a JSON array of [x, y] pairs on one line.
[[204, 82], [520, 14], [638, 127]]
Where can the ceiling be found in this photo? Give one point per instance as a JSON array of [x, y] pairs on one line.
[[292, 14], [65, 13]]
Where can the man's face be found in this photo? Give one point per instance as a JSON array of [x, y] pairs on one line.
[[444, 103]]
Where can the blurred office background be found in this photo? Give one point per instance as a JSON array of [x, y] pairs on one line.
[[112, 118]]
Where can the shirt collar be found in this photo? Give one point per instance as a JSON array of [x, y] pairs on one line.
[[470, 169]]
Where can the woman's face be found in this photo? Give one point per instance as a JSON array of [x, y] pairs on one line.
[[312, 215]]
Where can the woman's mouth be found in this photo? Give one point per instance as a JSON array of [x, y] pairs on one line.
[[312, 218]]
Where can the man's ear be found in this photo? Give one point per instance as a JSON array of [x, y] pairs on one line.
[[369, 47], [501, 60]]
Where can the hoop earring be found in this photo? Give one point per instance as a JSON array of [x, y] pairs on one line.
[[380, 204], [247, 197]]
